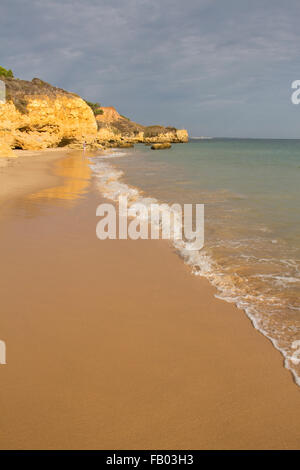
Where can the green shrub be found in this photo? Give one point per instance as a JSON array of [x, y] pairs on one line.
[[6, 73], [96, 107]]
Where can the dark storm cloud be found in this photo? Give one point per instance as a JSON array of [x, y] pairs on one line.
[[218, 67]]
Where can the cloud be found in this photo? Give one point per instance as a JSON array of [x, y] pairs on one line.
[[155, 59]]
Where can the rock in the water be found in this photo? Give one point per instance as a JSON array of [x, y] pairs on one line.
[[124, 145], [165, 145]]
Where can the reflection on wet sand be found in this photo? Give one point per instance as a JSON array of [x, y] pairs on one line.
[[76, 175]]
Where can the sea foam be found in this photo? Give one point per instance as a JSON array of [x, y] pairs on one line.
[[231, 288]]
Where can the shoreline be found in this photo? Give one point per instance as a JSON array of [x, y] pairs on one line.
[[124, 348], [116, 184]]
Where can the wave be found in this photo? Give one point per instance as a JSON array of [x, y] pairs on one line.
[[262, 307]]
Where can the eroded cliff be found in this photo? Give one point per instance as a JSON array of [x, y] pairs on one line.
[[114, 129], [37, 115]]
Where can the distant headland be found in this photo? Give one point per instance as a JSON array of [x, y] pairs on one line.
[[36, 115]]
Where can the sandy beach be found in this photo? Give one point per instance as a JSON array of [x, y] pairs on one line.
[[21, 176], [114, 344]]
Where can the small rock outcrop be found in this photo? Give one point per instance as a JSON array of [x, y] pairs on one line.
[[165, 145]]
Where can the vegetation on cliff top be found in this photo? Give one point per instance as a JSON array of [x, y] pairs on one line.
[[96, 107], [6, 73]]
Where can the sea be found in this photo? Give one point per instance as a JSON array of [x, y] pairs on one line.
[[250, 189]]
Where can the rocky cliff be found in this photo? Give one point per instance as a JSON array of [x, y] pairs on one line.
[[37, 115], [114, 129]]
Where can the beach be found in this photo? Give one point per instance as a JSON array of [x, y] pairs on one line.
[[113, 344], [20, 176]]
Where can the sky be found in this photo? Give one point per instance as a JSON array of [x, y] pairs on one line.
[[221, 68]]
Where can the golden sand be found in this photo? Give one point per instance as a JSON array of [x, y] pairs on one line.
[[115, 345]]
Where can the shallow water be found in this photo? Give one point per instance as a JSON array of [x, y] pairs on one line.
[[250, 189]]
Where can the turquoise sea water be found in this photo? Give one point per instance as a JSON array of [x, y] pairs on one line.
[[251, 192]]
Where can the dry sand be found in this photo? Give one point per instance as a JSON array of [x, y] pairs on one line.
[[115, 345]]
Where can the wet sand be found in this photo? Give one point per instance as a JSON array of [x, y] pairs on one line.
[[31, 172], [115, 345]]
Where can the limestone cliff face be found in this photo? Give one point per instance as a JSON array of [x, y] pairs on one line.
[[114, 129], [37, 115], [109, 114]]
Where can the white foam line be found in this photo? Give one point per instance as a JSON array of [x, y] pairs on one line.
[[202, 265]]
